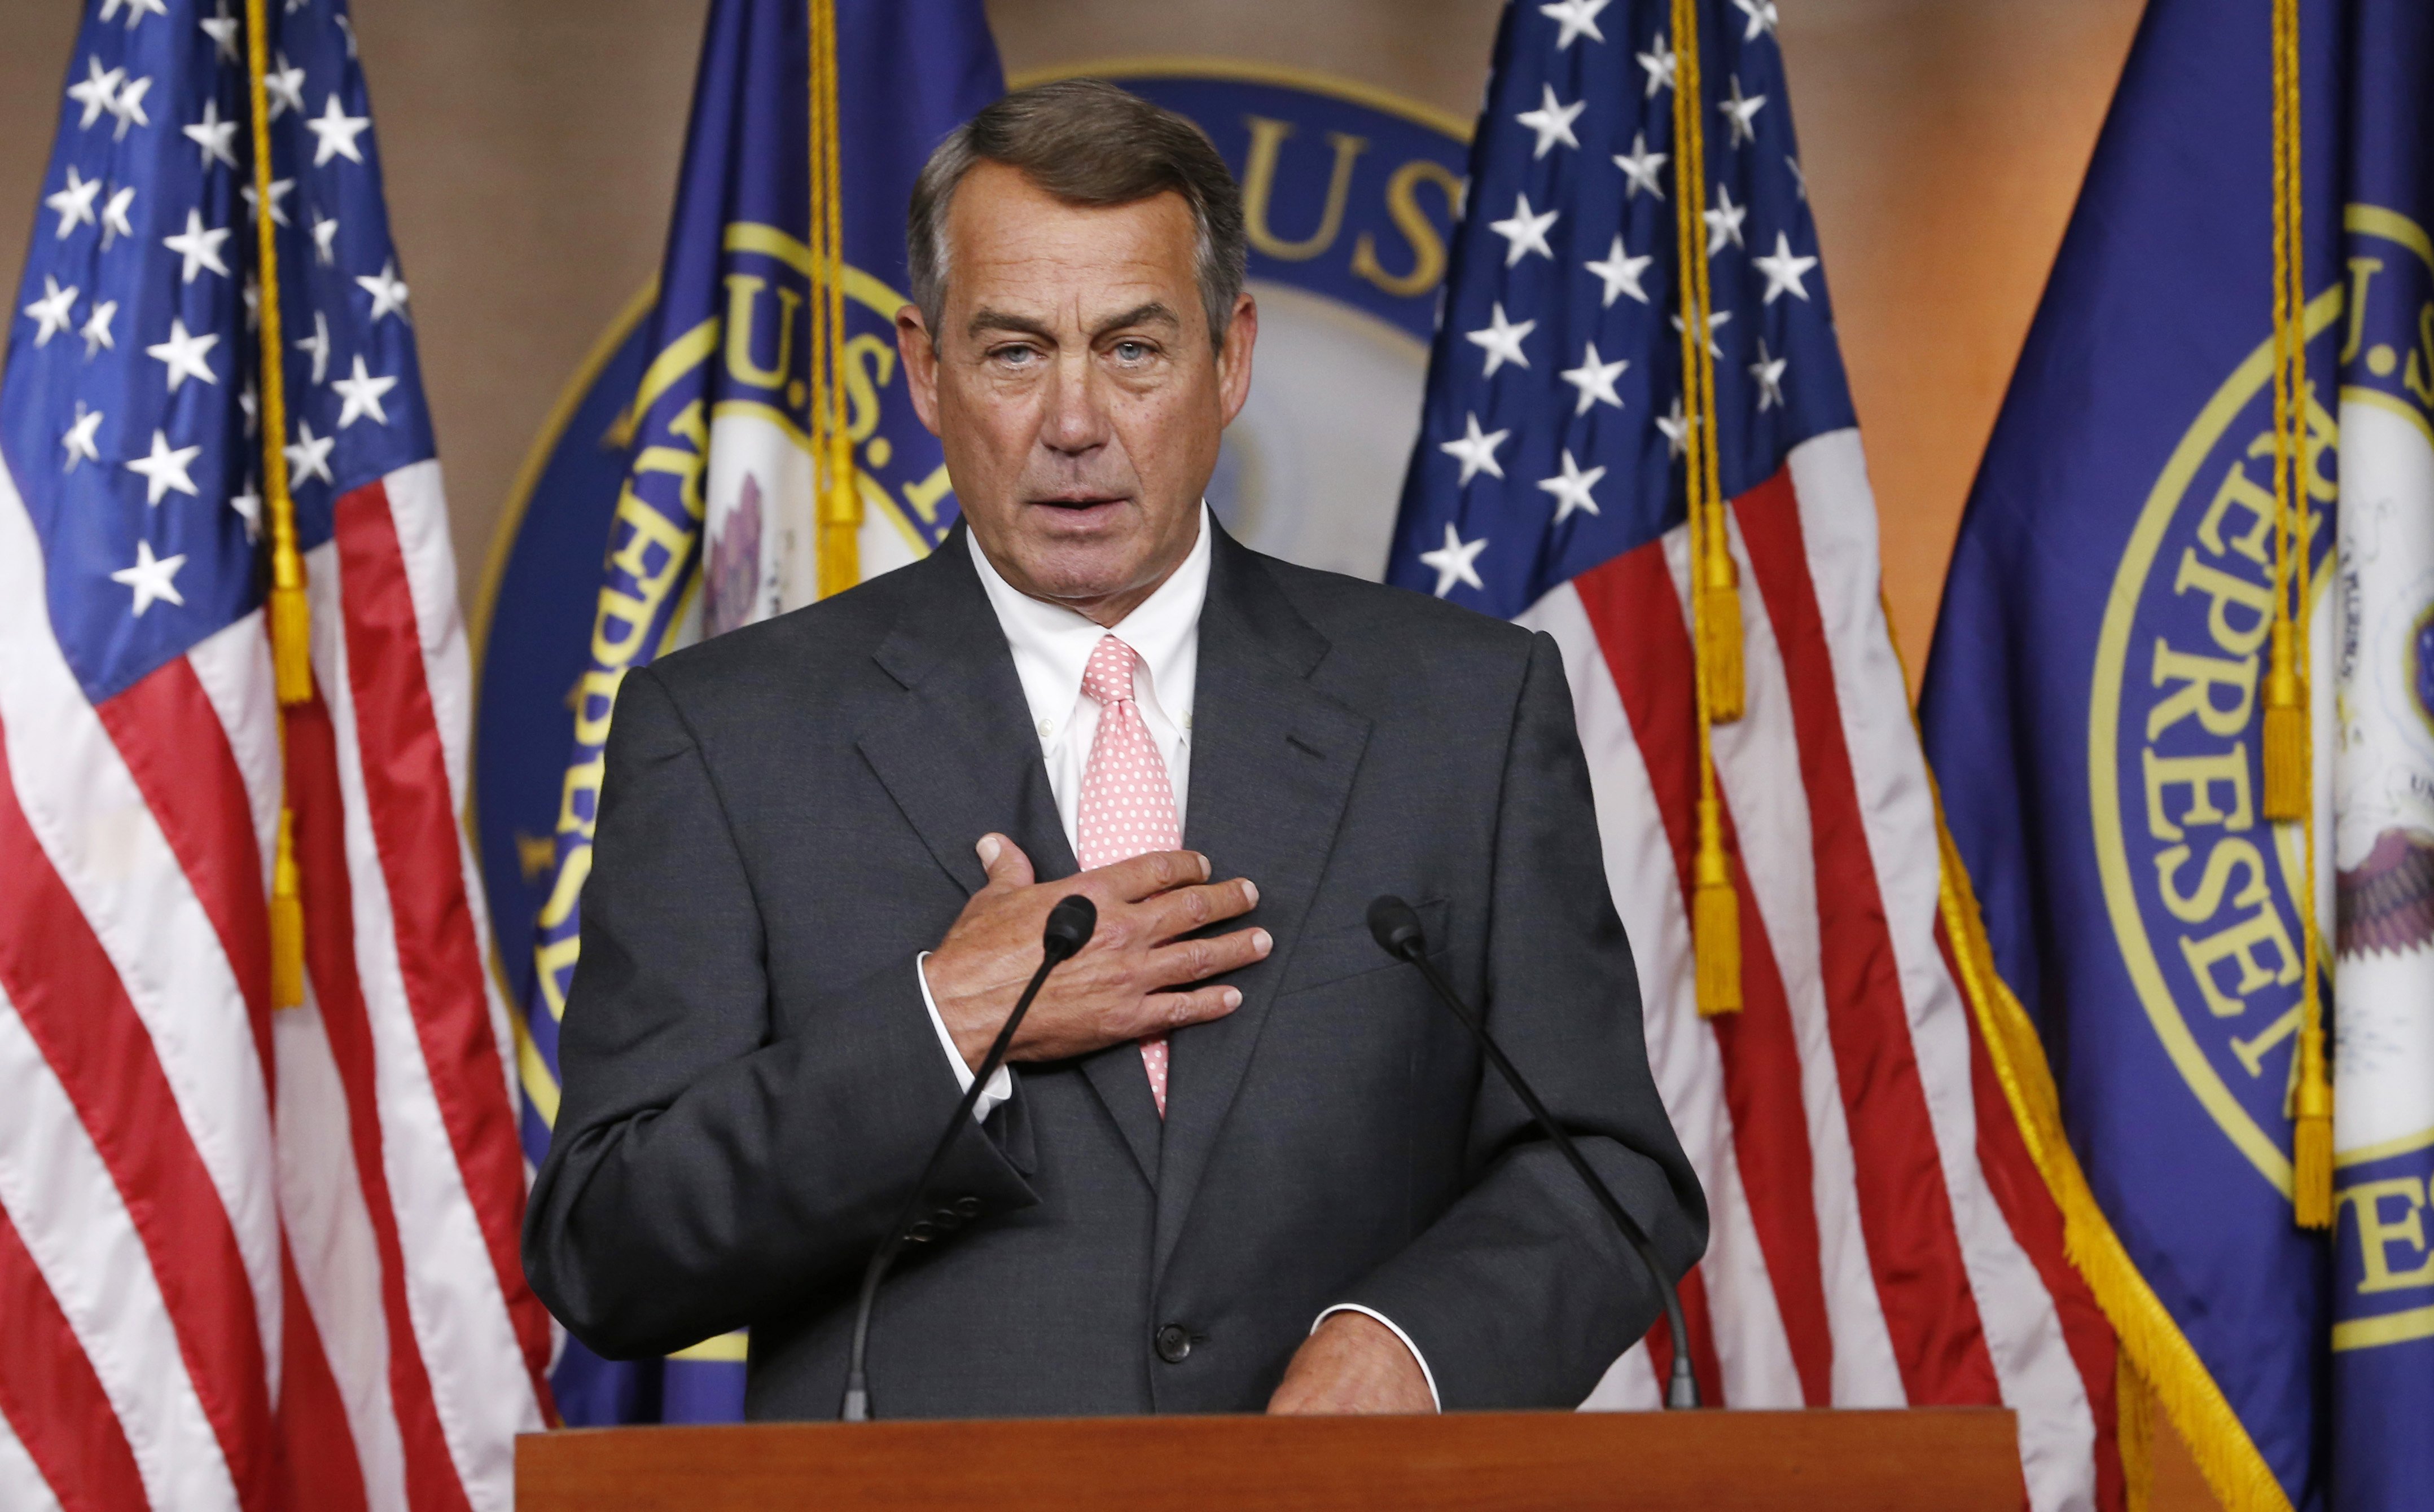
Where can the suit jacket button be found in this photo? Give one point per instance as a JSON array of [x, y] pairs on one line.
[[1174, 1343], [969, 1207]]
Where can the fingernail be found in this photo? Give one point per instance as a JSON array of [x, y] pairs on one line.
[[1262, 941], [1251, 890], [1205, 868], [1232, 998], [989, 847]]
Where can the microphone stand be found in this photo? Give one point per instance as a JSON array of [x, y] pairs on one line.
[[1395, 926], [1069, 924]]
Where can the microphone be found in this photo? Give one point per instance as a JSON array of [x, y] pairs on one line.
[[1395, 926], [1069, 924]]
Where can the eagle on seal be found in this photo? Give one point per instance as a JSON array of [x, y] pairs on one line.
[[2385, 903]]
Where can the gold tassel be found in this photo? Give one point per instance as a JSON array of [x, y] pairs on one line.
[[1715, 921], [1719, 619], [286, 921], [2285, 731], [2311, 1134], [291, 636]]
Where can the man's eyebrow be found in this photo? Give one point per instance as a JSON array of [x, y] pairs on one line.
[[988, 320], [1153, 314]]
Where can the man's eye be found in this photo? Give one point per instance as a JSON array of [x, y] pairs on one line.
[[1014, 356], [1132, 351]]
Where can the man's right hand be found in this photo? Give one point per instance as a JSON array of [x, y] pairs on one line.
[[1132, 980]]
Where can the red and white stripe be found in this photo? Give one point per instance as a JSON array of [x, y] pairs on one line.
[[253, 1259], [1881, 1238]]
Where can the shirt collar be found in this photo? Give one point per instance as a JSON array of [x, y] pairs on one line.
[[1052, 644]]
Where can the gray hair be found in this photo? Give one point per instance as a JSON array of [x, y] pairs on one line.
[[1086, 143]]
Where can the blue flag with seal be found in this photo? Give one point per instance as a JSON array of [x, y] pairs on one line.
[[771, 456], [2201, 912]]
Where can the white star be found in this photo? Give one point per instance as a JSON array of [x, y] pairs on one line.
[[1621, 273], [1740, 110], [279, 190], [325, 237], [221, 28], [1799, 179], [334, 132], [166, 468], [152, 577], [248, 507], [75, 202], [309, 457], [1639, 166], [1501, 339], [252, 303], [214, 135], [1552, 120], [1476, 453], [97, 94], [1715, 319], [319, 345], [1725, 221], [387, 291], [79, 438], [1571, 490], [1575, 17], [1762, 18], [1676, 428], [348, 27], [199, 247], [362, 394], [55, 310], [1783, 271], [115, 220], [1659, 61], [128, 106], [1453, 561], [184, 355], [136, 10], [1595, 380], [96, 328], [1769, 373], [285, 87], [1525, 233], [250, 403]]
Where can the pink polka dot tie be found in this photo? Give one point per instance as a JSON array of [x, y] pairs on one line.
[[1127, 803]]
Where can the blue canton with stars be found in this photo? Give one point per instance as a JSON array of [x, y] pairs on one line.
[[129, 410], [1551, 437]]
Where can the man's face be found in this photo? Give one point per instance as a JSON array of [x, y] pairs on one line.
[[1075, 388]]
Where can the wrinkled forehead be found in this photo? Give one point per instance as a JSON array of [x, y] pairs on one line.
[[1011, 244]]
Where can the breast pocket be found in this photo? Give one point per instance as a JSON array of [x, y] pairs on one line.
[[1332, 955]]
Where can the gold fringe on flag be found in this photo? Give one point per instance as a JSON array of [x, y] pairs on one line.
[[2289, 785], [2133, 1407], [837, 497], [291, 619], [1715, 588]]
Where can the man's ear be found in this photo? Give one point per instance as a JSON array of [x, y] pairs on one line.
[[920, 356], [1234, 356]]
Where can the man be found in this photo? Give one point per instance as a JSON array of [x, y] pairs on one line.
[[828, 843]]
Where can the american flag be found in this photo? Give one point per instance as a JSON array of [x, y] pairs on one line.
[[1882, 1235], [249, 1257]]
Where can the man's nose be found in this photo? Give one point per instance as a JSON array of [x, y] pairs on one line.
[[1077, 417]]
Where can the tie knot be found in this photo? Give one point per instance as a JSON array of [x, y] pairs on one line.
[[1108, 676]]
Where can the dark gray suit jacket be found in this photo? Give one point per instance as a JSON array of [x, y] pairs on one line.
[[751, 1080]]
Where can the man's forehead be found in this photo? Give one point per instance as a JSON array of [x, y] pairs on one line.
[[1006, 235]]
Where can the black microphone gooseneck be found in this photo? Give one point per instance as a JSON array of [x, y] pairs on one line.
[[1069, 924], [1395, 926]]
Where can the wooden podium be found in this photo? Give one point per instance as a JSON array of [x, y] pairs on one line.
[[1937, 1458]]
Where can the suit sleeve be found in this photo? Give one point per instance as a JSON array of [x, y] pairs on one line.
[[1521, 1294], [704, 1172]]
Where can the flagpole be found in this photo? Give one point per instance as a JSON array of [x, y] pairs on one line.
[[291, 615]]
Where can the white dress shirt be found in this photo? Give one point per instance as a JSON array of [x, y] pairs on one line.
[[1052, 646]]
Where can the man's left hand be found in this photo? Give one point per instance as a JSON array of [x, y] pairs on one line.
[[1353, 1363]]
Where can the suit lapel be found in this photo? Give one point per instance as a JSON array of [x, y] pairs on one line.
[[1273, 760], [957, 756]]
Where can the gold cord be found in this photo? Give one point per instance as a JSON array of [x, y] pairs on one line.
[[837, 498]]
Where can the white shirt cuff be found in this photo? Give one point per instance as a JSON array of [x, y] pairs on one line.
[[1425, 1374], [1001, 1085]]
